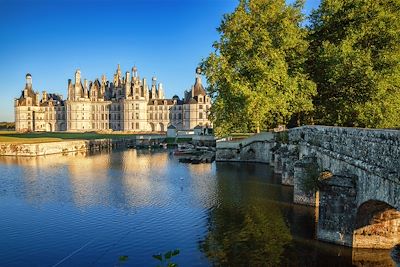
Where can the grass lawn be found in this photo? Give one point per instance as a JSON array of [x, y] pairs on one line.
[[29, 138]]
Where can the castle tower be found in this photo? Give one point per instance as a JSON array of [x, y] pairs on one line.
[[28, 79], [44, 96], [77, 76], [117, 77], [145, 89], [127, 84], [28, 84], [78, 87], [134, 72], [103, 85], [160, 91], [198, 88], [85, 89], [153, 88], [70, 90]]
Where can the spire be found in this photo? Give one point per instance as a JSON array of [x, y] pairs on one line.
[[160, 91], [77, 76], [198, 88], [134, 71], [117, 77], [28, 79], [153, 87]]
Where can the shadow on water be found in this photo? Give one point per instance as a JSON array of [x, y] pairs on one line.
[[256, 224]]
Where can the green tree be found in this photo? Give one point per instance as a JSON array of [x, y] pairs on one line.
[[256, 75], [355, 56]]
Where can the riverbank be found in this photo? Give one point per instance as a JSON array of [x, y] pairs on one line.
[[56, 147], [39, 144]]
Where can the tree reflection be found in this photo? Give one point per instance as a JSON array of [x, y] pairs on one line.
[[255, 235]]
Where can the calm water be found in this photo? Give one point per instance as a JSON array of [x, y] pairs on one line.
[[88, 210]]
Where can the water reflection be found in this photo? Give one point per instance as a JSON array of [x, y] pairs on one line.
[[250, 236], [140, 202], [244, 229]]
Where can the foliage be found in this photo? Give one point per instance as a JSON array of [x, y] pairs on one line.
[[165, 259], [253, 236], [256, 74], [355, 62], [7, 125], [310, 182], [282, 137]]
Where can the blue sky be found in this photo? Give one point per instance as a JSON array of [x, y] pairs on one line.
[[52, 38]]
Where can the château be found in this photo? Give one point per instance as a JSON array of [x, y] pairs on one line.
[[127, 103]]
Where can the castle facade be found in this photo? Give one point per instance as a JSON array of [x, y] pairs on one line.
[[127, 103]]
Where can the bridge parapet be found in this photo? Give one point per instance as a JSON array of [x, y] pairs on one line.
[[376, 151]]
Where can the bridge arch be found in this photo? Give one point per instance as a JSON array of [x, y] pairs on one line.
[[377, 225]]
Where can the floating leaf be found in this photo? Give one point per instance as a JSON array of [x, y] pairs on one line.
[[158, 257], [168, 255], [123, 258], [175, 252]]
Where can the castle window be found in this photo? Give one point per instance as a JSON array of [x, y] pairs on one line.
[[201, 115], [151, 116], [137, 116], [137, 125], [200, 106], [179, 116], [137, 106]]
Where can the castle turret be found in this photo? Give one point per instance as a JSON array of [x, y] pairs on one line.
[[44, 96], [77, 76], [127, 84], [153, 88], [37, 99], [134, 72], [70, 90], [145, 89], [78, 85], [117, 77], [160, 91], [28, 85], [28, 79], [198, 88], [103, 85], [85, 89]]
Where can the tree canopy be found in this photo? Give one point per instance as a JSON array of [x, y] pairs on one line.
[[256, 75], [354, 59], [343, 68]]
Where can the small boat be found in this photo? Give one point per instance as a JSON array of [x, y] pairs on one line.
[[184, 150]]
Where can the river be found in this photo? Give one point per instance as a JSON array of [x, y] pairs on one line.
[[119, 208]]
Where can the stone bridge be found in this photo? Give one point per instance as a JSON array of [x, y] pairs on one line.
[[357, 177], [352, 176]]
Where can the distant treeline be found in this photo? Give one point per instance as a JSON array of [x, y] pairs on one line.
[[7, 126]]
